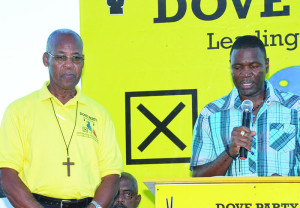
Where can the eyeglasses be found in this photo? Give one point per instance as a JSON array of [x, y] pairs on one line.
[[63, 58], [127, 195]]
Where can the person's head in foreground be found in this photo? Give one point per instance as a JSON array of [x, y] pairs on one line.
[[128, 196]]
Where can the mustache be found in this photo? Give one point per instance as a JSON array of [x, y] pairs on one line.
[[119, 206], [69, 73]]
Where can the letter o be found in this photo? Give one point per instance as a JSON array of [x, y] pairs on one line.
[[200, 15]]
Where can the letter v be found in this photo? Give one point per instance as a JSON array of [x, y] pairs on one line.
[[241, 10]]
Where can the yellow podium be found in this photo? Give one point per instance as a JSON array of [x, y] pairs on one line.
[[226, 192]]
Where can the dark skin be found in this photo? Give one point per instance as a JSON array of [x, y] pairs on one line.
[[64, 76], [107, 190], [16, 191], [126, 186], [248, 69]]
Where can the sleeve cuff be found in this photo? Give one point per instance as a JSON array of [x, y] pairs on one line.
[[10, 165], [110, 172]]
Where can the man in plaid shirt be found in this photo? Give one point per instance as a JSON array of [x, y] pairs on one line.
[[273, 137]]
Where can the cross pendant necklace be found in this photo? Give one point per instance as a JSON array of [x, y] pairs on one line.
[[68, 163]]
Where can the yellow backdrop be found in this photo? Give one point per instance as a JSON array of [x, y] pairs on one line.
[[154, 65]]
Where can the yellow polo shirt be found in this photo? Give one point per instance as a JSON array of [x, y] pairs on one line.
[[32, 144]]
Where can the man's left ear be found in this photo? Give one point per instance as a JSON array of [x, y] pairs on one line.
[[267, 65], [138, 199], [46, 59]]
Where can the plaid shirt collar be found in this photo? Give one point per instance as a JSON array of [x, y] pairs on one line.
[[234, 101]]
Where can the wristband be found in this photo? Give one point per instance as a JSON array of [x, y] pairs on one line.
[[228, 153], [96, 204]]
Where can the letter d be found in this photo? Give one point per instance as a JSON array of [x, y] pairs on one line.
[[162, 13]]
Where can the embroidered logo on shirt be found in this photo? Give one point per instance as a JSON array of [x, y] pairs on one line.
[[88, 127]]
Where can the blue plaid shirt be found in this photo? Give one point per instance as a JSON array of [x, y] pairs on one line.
[[275, 147]]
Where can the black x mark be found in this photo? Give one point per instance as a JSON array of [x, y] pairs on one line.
[[161, 127]]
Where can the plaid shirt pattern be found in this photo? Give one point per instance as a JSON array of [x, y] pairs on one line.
[[275, 147]]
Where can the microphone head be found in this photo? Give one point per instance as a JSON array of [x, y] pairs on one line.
[[247, 105]]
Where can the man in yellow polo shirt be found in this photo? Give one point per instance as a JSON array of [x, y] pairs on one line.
[[57, 146]]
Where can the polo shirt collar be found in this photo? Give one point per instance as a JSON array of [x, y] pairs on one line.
[[234, 101], [45, 94]]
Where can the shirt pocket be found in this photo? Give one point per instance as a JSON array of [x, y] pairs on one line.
[[282, 137]]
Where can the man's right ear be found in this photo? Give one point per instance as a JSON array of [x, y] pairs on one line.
[[46, 59]]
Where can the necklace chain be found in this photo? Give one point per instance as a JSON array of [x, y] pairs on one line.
[[253, 109], [67, 146]]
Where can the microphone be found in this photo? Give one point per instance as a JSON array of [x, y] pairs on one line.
[[247, 107]]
